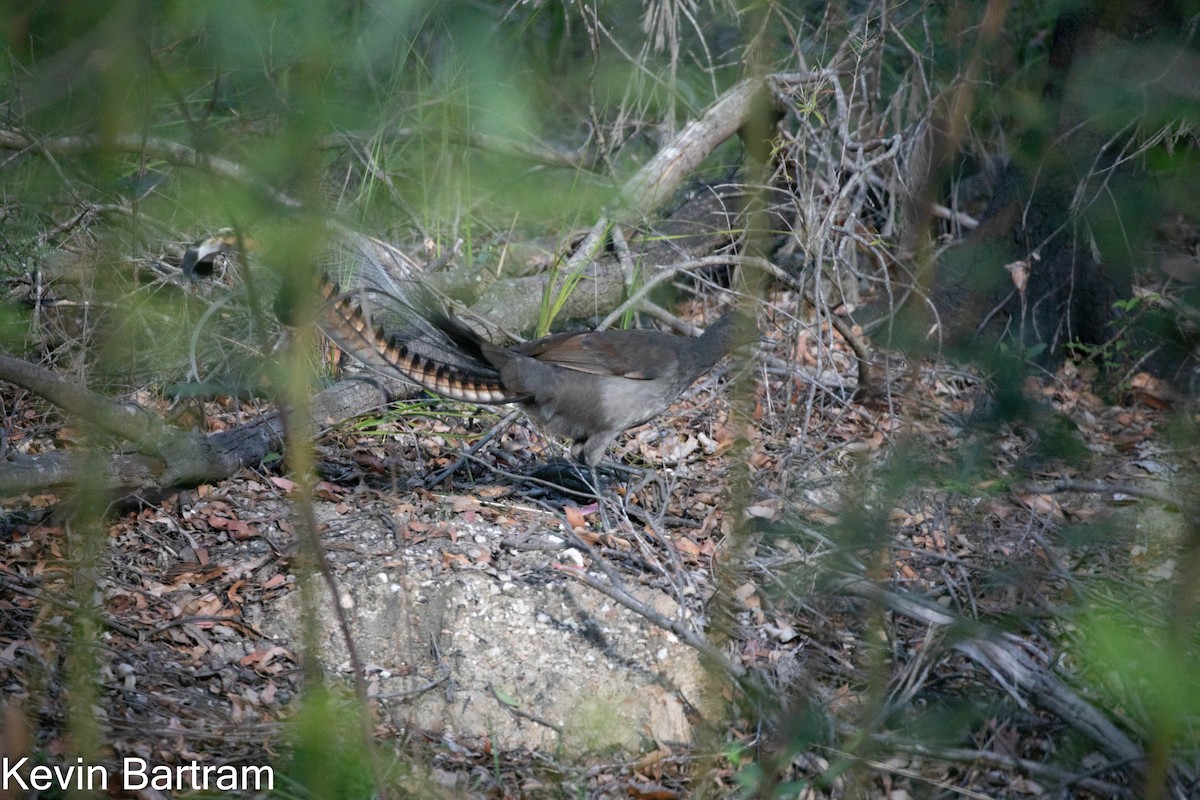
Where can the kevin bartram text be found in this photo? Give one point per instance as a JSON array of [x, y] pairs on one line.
[[136, 774]]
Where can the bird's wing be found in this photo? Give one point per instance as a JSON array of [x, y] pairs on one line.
[[635, 355]]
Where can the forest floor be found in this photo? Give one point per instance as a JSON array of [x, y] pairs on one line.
[[519, 640]]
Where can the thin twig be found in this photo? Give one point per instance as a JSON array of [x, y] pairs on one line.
[[441, 475], [1099, 487]]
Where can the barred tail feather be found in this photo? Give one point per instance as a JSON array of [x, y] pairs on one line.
[[456, 375]]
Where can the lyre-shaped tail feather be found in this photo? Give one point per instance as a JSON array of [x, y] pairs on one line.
[[354, 260], [376, 325], [438, 355]]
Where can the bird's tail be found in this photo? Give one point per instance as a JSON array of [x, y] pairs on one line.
[[421, 345], [385, 322]]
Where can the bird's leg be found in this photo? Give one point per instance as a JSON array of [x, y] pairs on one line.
[[616, 467], [604, 524]]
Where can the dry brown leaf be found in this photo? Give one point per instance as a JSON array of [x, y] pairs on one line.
[[652, 792], [329, 491], [208, 605], [744, 592], [651, 759], [574, 517], [1152, 391], [371, 462], [1040, 504], [285, 485], [768, 509], [464, 503], [278, 579]]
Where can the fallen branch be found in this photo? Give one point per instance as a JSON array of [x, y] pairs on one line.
[[656, 182], [181, 458], [1004, 657], [143, 430], [1061, 778], [601, 283], [1110, 488], [537, 152]]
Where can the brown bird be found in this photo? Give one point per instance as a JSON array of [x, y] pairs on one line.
[[587, 387]]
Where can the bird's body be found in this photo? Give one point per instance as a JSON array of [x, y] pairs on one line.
[[589, 387]]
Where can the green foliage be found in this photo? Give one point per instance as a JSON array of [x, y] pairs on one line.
[[328, 759], [558, 291], [385, 424], [1106, 355], [1113, 354], [14, 324], [1147, 669]]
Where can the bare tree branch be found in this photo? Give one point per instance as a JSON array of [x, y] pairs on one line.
[[143, 430]]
